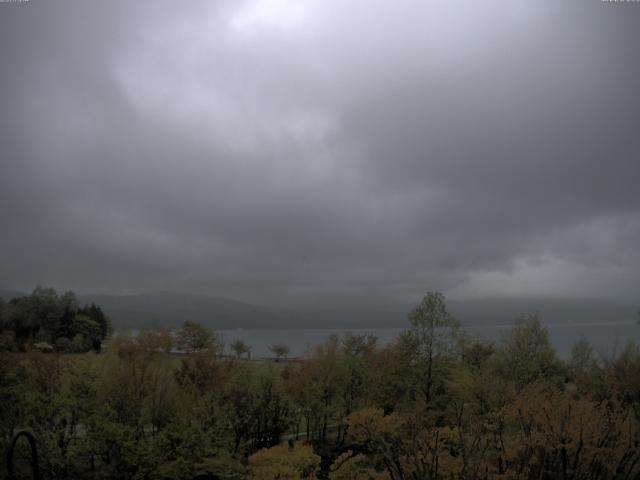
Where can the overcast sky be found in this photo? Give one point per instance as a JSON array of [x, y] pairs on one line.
[[314, 152]]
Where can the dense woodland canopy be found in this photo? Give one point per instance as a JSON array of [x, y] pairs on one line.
[[54, 320], [432, 404]]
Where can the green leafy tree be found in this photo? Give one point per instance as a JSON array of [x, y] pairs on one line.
[[357, 353], [45, 316], [527, 356], [257, 408], [433, 334], [95, 313]]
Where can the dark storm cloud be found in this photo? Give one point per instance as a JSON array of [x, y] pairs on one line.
[[300, 151]]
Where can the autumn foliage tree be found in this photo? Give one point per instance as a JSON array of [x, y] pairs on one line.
[[285, 463], [194, 337]]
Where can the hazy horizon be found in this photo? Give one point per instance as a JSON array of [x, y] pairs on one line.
[[170, 309], [7, 292]]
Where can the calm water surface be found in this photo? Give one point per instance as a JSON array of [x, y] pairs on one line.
[[607, 339]]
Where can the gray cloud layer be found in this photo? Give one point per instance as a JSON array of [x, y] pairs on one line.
[[308, 152]]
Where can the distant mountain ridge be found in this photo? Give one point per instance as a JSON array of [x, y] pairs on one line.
[[170, 309]]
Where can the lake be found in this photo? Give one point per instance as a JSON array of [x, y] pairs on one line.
[[606, 338]]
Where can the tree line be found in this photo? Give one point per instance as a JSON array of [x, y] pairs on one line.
[[52, 320], [432, 404]]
